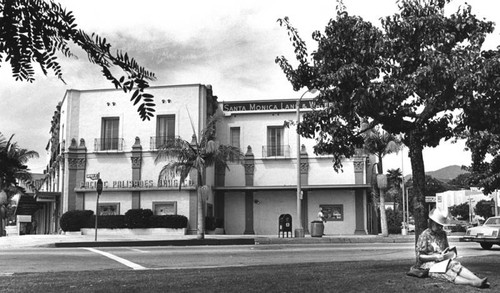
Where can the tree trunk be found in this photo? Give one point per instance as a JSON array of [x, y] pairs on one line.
[[200, 234], [200, 231], [418, 176], [383, 217]]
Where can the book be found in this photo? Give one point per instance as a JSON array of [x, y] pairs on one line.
[[441, 266], [450, 253]]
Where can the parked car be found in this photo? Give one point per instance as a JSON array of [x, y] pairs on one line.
[[486, 235]]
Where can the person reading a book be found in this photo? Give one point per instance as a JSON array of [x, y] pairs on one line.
[[435, 255]]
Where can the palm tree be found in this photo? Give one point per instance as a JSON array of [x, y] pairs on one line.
[[395, 179], [13, 160], [184, 157], [13, 169], [379, 143]]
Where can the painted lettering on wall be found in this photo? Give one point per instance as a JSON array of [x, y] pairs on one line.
[[121, 184], [267, 105]]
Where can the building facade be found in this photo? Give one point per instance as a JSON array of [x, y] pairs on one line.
[[98, 134]]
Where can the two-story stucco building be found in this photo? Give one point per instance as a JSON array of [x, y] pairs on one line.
[[98, 133]]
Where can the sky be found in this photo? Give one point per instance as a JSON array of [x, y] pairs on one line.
[[230, 45]]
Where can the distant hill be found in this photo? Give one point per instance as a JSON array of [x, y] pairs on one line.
[[444, 174], [447, 173]]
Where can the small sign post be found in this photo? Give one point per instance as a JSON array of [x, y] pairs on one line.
[[99, 191], [430, 199]]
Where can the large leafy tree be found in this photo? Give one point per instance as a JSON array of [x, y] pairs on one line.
[[417, 76], [461, 211], [484, 208], [185, 158], [34, 32], [484, 173]]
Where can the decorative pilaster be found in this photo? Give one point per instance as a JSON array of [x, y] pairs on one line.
[[249, 163], [220, 175], [359, 204], [304, 166], [359, 168], [77, 165], [136, 157], [136, 160]]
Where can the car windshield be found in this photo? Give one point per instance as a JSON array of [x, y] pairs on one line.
[[492, 221]]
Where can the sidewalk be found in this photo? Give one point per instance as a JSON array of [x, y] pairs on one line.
[[16, 241]]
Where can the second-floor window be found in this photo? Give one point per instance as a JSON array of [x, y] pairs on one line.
[[275, 141], [109, 133], [165, 129]]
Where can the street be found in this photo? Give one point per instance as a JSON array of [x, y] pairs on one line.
[[39, 260], [348, 267]]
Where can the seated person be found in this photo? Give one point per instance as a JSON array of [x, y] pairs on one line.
[[429, 249]]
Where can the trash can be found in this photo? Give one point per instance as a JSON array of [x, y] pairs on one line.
[[317, 229]]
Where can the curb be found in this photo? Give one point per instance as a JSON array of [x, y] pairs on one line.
[[190, 242]]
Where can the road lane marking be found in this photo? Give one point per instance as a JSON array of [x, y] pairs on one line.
[[117, 258], [138, 250]]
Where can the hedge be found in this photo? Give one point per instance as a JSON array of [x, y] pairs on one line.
[[134, 218], [138, 218], [75, 220], [110, 221], [168, 221]]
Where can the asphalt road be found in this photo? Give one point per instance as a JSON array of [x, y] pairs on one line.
[[39, 260]]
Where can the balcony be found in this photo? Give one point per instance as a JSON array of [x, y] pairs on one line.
[[157, 141], [108, 144], [276, 151]]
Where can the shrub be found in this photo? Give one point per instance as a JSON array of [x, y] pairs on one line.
[[110, 221], [219, 223], [394, 220], [76, 220], [168, 221], [138, 218], [212, 222]]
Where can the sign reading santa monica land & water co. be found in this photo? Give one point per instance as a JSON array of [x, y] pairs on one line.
[[266, 105]]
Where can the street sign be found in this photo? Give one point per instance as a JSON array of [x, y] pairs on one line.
[[94, 176], [99, 186], [430, 199]]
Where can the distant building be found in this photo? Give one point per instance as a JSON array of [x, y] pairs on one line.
[[447, 199], [98, 133]]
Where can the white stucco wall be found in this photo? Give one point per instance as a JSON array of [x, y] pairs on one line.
[[94, 106], [123, 198], [234, 213], [181, 197], [272, 204], [331, 197]]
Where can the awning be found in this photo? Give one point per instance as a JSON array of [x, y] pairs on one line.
[[27, 205], [44, 196]]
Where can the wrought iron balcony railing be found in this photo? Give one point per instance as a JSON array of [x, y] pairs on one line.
[[157, 141], [108, 144], [281, 151]]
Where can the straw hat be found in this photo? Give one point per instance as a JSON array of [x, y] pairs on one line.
[[437, 216]]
